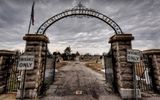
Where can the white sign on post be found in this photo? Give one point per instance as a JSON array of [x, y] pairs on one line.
[[26, 62], [133, 55]]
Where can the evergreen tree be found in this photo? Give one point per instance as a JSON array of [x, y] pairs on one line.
[[67, 51]]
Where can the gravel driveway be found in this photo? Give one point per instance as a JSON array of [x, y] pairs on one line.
[[77, 82]]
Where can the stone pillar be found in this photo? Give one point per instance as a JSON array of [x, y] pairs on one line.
[[35, 45], [154, 57], [5, 58], [123, 70]]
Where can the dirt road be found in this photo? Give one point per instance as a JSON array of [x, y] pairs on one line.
[[77, 82]]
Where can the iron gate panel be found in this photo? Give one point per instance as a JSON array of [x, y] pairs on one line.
[[143, 76], [12, 82], [109, 69]]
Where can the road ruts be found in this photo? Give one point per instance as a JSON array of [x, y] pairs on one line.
[[76, 76]]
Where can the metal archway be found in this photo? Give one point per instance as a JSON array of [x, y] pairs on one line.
[[79, 11]]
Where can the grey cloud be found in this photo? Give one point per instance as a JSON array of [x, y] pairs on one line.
[[139, 17]]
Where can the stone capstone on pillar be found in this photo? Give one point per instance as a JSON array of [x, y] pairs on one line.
[[36, 37], [121, 38]]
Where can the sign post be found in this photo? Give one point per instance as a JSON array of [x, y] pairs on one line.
[[26, 62], [133, 56]]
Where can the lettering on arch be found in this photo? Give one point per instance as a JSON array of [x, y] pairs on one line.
[[79, 12]]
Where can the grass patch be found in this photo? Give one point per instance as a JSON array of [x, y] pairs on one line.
[[95, 66], [60, 64]]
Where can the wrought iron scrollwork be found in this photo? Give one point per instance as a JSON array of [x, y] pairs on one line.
[[80, 11]]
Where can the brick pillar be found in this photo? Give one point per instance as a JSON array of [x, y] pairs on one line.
[[5, 59], [154, 56], [35, 45], [123, 70]]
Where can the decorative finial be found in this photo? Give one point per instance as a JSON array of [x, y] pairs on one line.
[[79, 4]]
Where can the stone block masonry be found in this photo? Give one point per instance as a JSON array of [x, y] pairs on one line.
[[123, 70], [35, 45]]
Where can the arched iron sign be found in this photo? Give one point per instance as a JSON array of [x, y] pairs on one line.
[[79, 10]]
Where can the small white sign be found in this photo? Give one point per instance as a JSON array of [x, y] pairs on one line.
[[78, 92], [26, 62], [133, 55], [19, 78]]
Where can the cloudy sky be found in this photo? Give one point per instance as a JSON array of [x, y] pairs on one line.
[[139, 17]]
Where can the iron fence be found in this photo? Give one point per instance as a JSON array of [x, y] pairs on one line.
[[143, 75], [12, 73], [108, 65]]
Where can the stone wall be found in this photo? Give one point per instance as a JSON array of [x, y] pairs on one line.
[[154, 56], [123, 71], [35, 45]]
